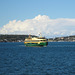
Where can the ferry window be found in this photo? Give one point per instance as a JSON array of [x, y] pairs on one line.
[[43, 40], [32, 43]]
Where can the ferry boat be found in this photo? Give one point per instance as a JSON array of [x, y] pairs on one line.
[[36, 41]]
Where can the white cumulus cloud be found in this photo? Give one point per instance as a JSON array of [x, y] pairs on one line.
[[41, 24]]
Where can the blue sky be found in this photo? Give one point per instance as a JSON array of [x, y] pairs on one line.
[[27, 9]]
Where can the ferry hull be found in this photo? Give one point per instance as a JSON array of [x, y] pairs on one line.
[[36, 44]]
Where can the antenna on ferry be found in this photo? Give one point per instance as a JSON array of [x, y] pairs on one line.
[[40, 34], [29, 35]]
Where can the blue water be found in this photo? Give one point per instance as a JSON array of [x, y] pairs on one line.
[[58, 58]]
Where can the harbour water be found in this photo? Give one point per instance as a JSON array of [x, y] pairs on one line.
[[58, 58]]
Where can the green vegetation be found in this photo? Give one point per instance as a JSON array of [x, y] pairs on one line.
[[21, 38], [13, 38]]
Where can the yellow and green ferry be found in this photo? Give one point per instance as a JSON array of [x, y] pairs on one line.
[[36, 41]]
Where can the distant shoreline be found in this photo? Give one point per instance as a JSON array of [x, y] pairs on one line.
[[21, 38], [13, 38]]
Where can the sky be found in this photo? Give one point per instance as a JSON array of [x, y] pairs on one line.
[[51, 18]]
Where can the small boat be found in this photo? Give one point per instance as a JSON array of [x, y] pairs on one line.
[[36, 41]]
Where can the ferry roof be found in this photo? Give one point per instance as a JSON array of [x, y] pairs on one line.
[[36, 38]]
